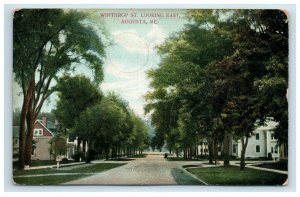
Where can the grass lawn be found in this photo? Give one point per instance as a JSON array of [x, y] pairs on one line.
[[280, 165], [138, 156], [232, 175], [181, 159], [35, 163], [48, 162], [56, 179], [47, 180]]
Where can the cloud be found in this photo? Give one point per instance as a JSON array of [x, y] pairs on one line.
[[156, 36], [138, 108], [131, 86], [131, 41]]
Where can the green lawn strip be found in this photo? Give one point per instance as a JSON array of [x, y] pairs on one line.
[[47, 180], [281, 165], [181, 159], [232, 175], [138, 156], [93, 168], [96, 168]]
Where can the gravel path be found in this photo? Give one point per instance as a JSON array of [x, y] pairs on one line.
[[152, 170]]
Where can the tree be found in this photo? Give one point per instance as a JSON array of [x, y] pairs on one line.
[[224, 67], [101, 124], [71, 103], [58, 145], [139, 136], [48, 42]]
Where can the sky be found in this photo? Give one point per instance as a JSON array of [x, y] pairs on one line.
[[134, 34]]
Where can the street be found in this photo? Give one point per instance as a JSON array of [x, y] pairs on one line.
[[151, 170]]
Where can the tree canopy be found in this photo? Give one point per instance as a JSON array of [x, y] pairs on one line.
[[46, 43], [222, 75]]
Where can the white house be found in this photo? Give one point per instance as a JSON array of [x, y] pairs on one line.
[[260, 144]]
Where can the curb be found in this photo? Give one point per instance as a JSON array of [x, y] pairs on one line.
[[192, 175]]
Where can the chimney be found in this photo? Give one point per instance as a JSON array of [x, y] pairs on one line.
[[44, 121]]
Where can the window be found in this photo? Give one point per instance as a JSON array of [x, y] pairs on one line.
[[257, 148], [272, 149], [276, 150], [273, 136], [38, 132], [257, 136], [234, 148], [32, 150]]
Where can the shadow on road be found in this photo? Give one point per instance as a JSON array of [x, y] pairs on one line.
[[120, 159], [184, 179]]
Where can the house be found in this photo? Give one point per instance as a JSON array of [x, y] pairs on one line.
[[260, 144], [73, 146], [41, 136]]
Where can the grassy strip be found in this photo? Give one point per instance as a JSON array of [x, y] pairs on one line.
[[92, 168], [181, 159], [35, 163], [232, 175], [138, 156], [47, 180], [281, 165], [96, 168]]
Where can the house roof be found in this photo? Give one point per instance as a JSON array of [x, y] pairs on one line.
[[269, 125], [41, 123]]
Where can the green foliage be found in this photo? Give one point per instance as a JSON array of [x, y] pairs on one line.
[[58, 145], [75, 95], [47, 43], [78, 156], [110, 124], [223, 74]]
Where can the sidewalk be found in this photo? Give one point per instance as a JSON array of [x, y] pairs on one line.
[[260, 168], [249, 165], [54, 166]]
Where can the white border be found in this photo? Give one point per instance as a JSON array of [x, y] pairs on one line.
[[6, 91]]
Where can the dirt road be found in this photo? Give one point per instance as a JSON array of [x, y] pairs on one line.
[[151, 170]]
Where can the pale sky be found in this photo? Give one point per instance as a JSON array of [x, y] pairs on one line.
[[131, 55]]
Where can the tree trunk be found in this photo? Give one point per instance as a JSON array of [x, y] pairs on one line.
[[210, 152], [215, 150], [243, 152], [28, 94], [112, 152], [22, 133], [106, 153], [30, 119], [226, 150], [197, 151]]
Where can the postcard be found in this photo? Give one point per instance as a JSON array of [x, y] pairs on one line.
[[150, 97]]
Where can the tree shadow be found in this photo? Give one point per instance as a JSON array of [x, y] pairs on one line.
[[120, 159], [183, 178]]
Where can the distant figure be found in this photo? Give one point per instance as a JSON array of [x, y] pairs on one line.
[[166, 155]]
